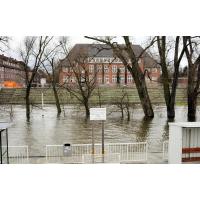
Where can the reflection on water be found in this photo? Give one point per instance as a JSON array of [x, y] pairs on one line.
[[73, 128]]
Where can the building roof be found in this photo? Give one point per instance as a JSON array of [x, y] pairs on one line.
[[5, 58], [104, 50], [12, 61], [100, 50]]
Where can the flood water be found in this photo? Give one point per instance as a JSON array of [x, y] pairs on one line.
[[46, 128]]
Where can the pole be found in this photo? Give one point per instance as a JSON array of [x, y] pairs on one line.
[[92, 144], [1, 146], [103, 137], [7, 146], [42, 101], [92, 140]]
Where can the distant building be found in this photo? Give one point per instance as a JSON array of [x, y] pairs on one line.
[[11, 70], [109, 68]]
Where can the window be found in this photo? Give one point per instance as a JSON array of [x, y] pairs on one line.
[[99, 68], [91, 68], [99, 80], [114, 79], [107, 79], [122, 69], [114, 69], [106, 69]]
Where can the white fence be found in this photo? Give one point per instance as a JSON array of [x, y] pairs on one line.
[[165, 150], [17, 154], [114, 152]]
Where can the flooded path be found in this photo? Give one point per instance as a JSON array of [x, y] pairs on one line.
[[46, 128]]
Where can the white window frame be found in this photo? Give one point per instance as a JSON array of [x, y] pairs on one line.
[[107, 80], [106, 69], [114, 79], [114, 68], [91, 68]]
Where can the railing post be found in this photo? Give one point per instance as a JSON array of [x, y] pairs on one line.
[[146, 151], [27, 151]]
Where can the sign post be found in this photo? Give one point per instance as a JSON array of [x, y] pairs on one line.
[[102, 137], [98, 114]]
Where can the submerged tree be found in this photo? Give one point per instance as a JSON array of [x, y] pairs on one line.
[[51, 65], [170, 48], [32, 54], [81, 80], [192, 52], [123, 103], [131, 62]]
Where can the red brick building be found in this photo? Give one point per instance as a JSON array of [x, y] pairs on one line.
[[11, 70], [109, 68]]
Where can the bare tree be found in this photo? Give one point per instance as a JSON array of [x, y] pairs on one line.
[[123, 103], [32, 54], [131, 62], [51, 65], [192, 52], [176, 51], [80, 82]]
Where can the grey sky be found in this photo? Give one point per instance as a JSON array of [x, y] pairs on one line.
[[16, 42]]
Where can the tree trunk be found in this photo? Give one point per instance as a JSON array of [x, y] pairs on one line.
[[125, 76], [87, 109], [192, 96], [139, 80], [143, 95], [103, 74], [128, 114], [56, 99], [27, 103], [192, 104], [170, 111]]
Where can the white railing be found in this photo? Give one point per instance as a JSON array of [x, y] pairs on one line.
[[165, 150], [17, 154], [123, 152]]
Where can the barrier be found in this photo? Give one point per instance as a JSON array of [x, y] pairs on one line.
[[165, 150], [81, 153], [18, 154]]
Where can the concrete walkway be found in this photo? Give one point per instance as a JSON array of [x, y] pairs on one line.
[[153, 158]]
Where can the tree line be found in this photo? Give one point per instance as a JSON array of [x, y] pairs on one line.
[[47, 53]]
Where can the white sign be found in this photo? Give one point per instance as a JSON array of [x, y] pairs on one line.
[[43, 81], [97, 113]]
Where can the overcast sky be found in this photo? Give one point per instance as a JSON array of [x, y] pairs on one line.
[[16, 42]]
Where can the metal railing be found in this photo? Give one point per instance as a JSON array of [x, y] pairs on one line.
[[80, 153], [165, 150], [18, 154]]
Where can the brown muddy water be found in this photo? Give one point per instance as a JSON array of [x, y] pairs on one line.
[[46, 128]]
